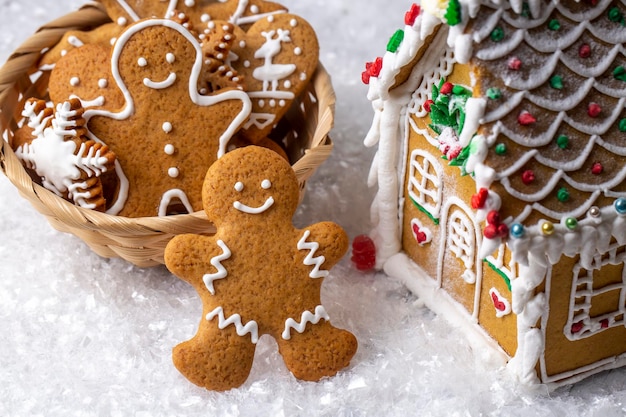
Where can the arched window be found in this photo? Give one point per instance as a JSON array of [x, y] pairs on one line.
[[424, 185]]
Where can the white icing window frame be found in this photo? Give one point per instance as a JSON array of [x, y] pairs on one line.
[[423, 184], [579, 317], [461, 241]]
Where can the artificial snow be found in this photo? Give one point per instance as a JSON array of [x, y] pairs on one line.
[[87, 336]]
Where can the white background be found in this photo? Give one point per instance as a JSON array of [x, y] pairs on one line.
[[86, 336]]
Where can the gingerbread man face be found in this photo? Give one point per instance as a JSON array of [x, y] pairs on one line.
[[258, 275], [167, 134], [265, 192]]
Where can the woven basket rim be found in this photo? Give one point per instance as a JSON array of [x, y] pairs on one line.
[[132, 232]]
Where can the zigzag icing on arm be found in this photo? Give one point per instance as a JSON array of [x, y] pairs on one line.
[[216, 261], [250, 327], [307, 317], [310, 260]]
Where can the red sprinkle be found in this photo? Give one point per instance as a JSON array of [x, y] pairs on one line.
[[479, 199], [594, 110], [446, 88], [493, 217], [514, 63], [363, 253], [490, 231], [526, 119], [427, 105], [411, 15], [365, 77], [375, 67], [597, 168], [528, 177], [584, 51]]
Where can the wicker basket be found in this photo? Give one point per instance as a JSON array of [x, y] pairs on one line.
[[138, 240]]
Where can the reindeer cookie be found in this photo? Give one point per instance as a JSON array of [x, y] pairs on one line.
[[258, 275], [54, 145], [167, 134], [277, 56]]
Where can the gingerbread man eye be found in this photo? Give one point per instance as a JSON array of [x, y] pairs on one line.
[[142, 62], [170, 58], [239, 187], [266, 184]]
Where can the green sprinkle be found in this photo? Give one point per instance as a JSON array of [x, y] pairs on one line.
[[554, 24], [453, 13], [494, 93], [622, 125], [497, 34], [395, 41], [571, 223], [556, 82], [563, 194], [616, 15], [619, 73], [501, 149], [562, 142]]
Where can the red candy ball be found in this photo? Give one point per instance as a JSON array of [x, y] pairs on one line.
[[363, 253]]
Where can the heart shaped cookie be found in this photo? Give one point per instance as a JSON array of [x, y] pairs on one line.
[[277, 57]]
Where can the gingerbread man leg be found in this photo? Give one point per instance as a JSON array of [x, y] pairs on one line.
[[321, 350], [216, 359]]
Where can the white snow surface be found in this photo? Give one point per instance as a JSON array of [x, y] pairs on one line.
[[87, 336]]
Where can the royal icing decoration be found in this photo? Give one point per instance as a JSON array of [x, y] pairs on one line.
[[311, 259], [266, 184], [235, 320], [216, 261], [307, 317]]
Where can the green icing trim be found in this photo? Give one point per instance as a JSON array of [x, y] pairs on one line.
[[615, 15], [506, 279], [562, 142], [563, 195], [622, 125], [619, 73], [426, 212], [395, 41]]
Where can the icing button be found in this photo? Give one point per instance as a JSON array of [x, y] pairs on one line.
[[173, 172], [620, 205], [169, 149]]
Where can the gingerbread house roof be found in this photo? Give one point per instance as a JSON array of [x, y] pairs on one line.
[[548, 101]]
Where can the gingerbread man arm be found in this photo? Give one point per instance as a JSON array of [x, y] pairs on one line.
[[332, 243], [197, 259]]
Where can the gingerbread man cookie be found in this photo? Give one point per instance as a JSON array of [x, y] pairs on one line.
[[167, 134], [258, 275], [85, 74]]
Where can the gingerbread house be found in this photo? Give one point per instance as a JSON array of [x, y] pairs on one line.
[[501, 168]]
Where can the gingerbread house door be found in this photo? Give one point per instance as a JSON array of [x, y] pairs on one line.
[[460, 269]]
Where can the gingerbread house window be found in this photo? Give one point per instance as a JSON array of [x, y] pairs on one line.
[[598, 297], [424, 185], [461, 242]]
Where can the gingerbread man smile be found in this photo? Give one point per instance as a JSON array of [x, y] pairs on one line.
[[266, 185]]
